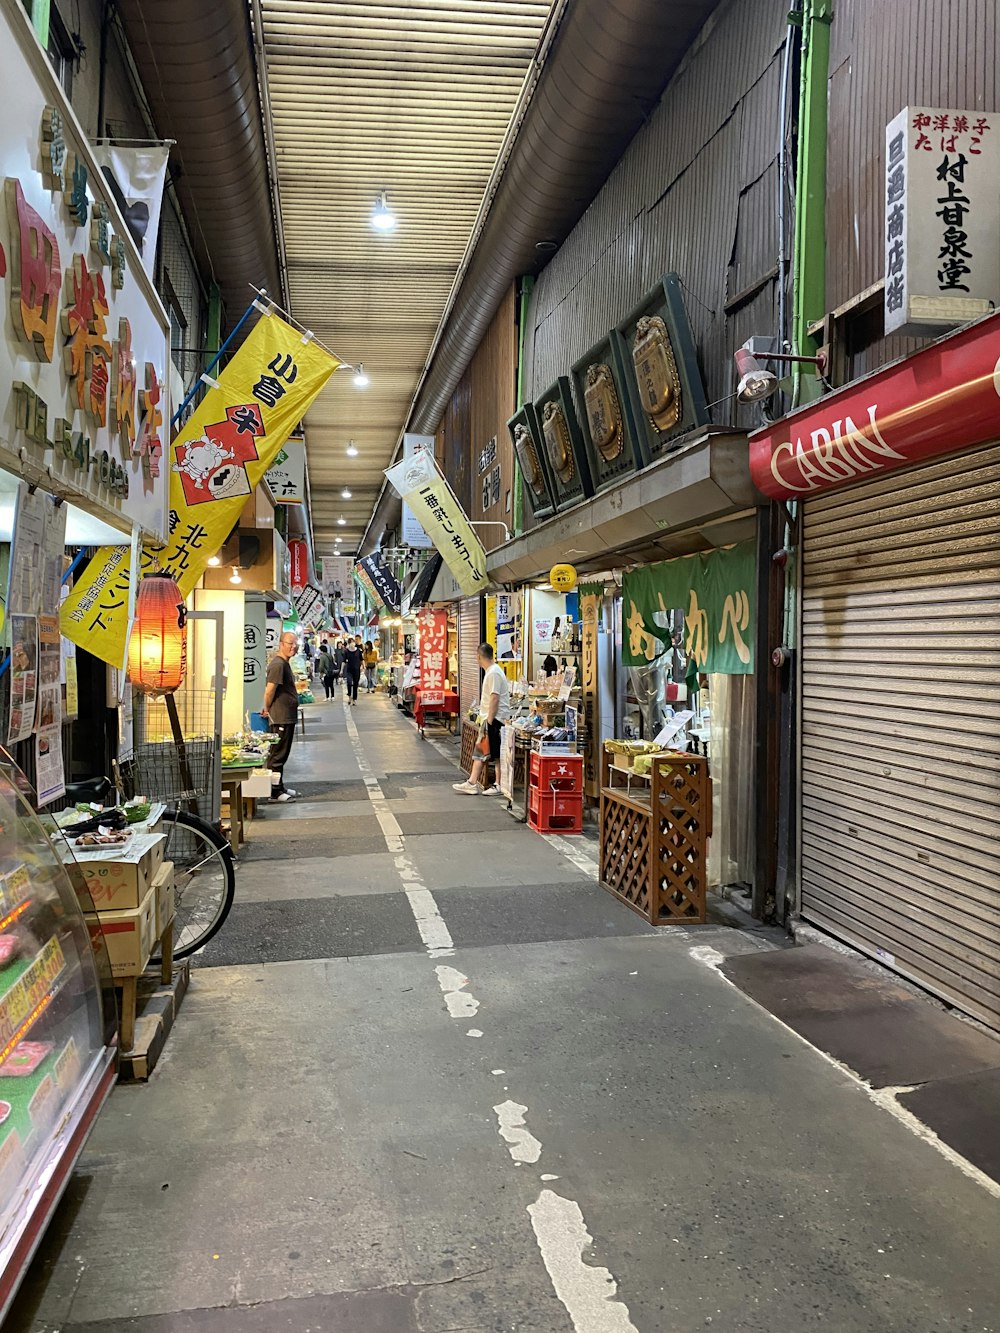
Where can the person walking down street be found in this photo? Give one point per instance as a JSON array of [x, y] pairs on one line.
[[281, 706], [337, 654], [324, 668], [352, 670], [371, 663], [494, 711]]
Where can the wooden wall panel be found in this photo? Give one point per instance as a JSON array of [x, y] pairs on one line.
[[478, 412]]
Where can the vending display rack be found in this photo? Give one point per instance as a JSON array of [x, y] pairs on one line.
[[57, 1028]]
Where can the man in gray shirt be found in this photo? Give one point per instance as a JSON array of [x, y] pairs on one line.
[[281, 706]]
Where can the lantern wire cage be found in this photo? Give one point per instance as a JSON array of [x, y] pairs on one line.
[[159, 768]]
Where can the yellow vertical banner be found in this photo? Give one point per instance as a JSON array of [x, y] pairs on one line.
[[217, 459]]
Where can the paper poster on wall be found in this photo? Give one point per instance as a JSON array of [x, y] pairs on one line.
[[509, 647], [23, 677], [126, 726], [72, 689], [254, 645], [27, 547], [49, 777]]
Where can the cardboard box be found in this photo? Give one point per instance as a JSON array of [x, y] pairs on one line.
[[257, 785], [129, 936], [120, 878], [166, 905]]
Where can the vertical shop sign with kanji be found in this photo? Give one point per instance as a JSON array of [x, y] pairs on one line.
[[433, 628], [942, 210]]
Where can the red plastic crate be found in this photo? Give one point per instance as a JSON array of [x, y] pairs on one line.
[[556, 772], [555, 813]]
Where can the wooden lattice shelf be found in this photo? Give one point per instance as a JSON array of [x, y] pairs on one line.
[[654, 843]]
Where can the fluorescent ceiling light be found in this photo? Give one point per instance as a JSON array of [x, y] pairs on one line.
[[383, 218]]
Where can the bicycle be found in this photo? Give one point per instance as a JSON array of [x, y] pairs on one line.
[[204, 870]]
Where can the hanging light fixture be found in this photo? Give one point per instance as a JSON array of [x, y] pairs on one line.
[[214, 561], [341, 522], [338, 540], [345, 494], [235, 576], [383, 218], [361, 380], [157, 650], [352, 449]]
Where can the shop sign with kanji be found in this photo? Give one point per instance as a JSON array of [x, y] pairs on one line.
[[942, 213], [85, 353], [286, 477], [433, 628], [714, 591]]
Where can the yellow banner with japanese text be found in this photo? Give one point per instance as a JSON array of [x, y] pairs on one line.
[[421, 484], [217, 460]]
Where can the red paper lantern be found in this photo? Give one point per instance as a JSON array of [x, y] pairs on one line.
[[157, 651]]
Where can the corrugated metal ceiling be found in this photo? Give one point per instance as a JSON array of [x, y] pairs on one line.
[[413, 97]]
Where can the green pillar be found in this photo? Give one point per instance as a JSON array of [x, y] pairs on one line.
[[809, 259], [40, 20], [526, 285]]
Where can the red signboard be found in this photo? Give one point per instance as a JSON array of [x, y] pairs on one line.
[[299, 553], [433, 626], [944, 398]]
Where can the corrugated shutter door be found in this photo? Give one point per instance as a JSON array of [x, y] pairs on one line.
[[901, 723], [469, 639]]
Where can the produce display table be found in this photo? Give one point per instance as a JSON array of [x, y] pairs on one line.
[[439, 704], [654, 837], [233, 778]]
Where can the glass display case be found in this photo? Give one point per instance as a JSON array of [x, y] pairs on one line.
[[57, 1027]]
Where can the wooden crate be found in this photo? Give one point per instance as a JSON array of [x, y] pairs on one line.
[[470, 734], [654, 841]]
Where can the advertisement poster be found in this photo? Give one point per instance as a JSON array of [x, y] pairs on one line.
[[433, 626], [24, 595], [49, 777], [254, 646], [509, 627], [23, 677], [287, 474], [53, 552]]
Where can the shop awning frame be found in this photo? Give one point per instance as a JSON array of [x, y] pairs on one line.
[[699, 496]]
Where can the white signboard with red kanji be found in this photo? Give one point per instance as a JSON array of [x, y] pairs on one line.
[[942, 212]]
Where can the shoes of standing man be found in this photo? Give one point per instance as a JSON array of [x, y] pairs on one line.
[[284, 796], [466, 788]]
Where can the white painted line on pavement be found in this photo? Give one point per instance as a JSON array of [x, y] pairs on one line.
[[884, 1097], [587, 1291], [461, 1002], [522, 1144], [430, 923]]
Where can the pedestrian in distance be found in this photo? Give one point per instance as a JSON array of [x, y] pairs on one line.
[[494, 710], [337, 654], [371, 664], [324, 669], [352, 670], [281, 707]]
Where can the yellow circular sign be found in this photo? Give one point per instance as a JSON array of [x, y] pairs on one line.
[[562, 578]]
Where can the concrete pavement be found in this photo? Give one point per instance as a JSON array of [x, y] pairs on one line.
[[430, 1078]]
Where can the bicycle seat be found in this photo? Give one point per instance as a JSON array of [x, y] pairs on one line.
[[90, 789]]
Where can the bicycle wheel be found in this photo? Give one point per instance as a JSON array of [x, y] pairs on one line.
[[204, 880]]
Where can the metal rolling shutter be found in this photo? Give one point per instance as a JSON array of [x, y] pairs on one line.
[[900, 831], [469, 639]]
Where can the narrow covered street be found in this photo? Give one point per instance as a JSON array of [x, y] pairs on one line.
[[430, 1077]]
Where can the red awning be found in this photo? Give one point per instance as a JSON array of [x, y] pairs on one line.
[[944, 398]]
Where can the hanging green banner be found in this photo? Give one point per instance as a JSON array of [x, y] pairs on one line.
[[715, 590]]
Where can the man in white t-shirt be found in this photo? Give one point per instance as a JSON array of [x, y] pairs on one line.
[[494, 711]]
